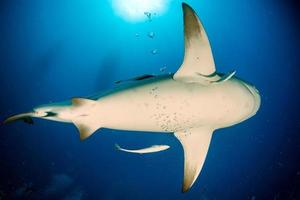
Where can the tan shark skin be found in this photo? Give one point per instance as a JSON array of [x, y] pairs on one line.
[[191, 103]]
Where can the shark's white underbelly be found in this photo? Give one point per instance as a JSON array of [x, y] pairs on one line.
[[168, 106]]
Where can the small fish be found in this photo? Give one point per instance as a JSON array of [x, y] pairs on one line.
[[152, 149]]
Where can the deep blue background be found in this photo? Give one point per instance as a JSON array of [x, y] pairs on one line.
[[54, 50]]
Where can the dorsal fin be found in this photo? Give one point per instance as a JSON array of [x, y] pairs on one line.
[[198, 58], [195, 143]]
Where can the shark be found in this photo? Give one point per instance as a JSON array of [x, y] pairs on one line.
[[190, 104]]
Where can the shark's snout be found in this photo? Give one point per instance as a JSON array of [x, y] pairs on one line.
[[256, 97]]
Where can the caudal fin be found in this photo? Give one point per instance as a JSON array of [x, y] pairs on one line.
[[25, 117]]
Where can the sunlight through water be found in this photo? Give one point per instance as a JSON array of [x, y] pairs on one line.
[[139, 10]]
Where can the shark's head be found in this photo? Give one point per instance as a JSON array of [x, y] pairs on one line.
[[242, 102], [251, 101]]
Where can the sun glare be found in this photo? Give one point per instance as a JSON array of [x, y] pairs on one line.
[[139, 10]]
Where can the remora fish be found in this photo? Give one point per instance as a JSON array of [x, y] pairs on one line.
[[152, 149], [191, 103]]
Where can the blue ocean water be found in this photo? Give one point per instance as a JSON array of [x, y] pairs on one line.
[[55, 50]]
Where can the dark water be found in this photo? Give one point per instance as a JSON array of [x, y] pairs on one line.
[[54, 50]]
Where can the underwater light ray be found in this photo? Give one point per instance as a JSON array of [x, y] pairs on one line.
[[134, 10]]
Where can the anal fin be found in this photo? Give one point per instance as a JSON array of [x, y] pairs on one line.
[[86, 122], [195, 143], [85, 129]]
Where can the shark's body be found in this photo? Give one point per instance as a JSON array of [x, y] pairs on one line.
[[191, 103]]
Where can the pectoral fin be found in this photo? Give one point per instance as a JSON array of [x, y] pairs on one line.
[[195, 143], [198, 58]]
